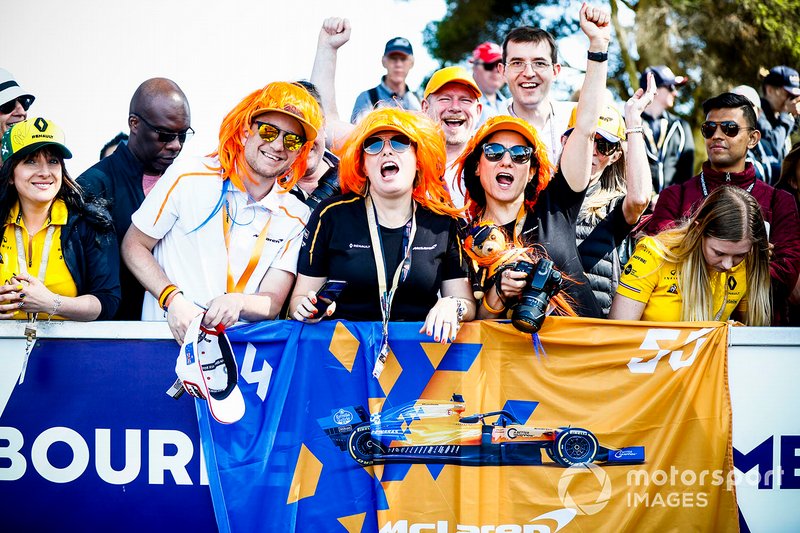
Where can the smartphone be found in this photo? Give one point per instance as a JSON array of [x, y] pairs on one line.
[[327, 294]]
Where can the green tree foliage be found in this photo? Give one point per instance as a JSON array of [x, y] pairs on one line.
[[718, 43]]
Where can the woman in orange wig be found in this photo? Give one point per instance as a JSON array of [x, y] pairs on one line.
[[393, 236]]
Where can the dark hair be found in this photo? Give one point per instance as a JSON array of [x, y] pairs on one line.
[[529, 34], [788, 179], [113, 142], [70, 192], [732, 101], [312, 90]]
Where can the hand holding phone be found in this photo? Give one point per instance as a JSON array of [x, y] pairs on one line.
[[327, 294]]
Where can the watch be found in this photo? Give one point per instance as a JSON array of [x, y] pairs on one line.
[[597, 56]]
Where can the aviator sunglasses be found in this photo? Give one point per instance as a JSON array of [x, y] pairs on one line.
[[8, 107], [604, 146], [269, 132], [728, 127], [374, 145], [167, 136], [519, 154]]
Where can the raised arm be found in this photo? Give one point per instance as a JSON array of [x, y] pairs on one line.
[[576, 159], [638, 181], [334, 33]]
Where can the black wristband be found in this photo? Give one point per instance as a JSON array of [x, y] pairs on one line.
[[597, 56]]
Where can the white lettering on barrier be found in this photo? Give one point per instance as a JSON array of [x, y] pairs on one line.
[[11, 452], [638, 365], [133, 455], [12, 442], [251, 376], [176, 464], [80, 455]]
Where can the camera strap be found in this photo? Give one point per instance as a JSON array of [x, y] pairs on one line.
[[400, 274]]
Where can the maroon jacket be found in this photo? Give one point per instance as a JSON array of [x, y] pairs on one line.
[[778, 207]]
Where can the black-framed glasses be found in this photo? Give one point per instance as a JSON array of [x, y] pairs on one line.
[[399, 143], [519, 154], [167, 137], [490, 66], [728, 127], [8, 107], [269, 132], [604, 146]]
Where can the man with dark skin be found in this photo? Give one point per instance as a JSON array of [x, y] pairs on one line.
[[160, 122]]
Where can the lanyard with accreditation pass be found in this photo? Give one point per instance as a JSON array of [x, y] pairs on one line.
[[231, 284], [387, 294]]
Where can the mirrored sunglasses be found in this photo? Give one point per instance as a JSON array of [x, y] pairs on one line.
[[269, 132], [728, 127], [374, 145], [519, 154]]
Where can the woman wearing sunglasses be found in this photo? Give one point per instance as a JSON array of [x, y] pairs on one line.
[[619, 192], [393, 236], [507, 174], [712, 267], [59, 255]]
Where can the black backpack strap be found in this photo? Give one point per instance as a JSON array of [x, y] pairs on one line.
[[373, 96]]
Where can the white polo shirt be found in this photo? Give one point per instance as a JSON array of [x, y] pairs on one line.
[[553, 129], [192, 249]]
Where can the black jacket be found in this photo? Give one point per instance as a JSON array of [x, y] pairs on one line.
[[117, 179], [670, 152]]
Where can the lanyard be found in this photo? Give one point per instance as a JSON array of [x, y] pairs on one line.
[[255, 255], [400, 274], [727, 178], [22, 264]]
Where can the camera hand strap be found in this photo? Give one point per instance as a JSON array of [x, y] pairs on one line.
[[387, 294]]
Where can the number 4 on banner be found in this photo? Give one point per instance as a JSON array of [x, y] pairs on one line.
[[252, 376]]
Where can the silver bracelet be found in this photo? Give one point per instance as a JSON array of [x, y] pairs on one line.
[[56, 305], [635, 129]]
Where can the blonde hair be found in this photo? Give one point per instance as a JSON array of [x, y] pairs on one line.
[[429, 186], [729, 214]]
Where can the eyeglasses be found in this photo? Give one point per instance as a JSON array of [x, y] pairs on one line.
[[491, 66], [8, 107], [270, 132], [374, 145], [167, 136], [604, 146], [728, 127], [519, 66], [519, 154]]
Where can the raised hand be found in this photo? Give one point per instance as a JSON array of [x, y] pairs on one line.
[[334, 33], [596, 25], [637, 103]]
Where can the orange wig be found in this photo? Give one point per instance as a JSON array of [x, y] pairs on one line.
[[428, 138], [467, 163], [288, 98]]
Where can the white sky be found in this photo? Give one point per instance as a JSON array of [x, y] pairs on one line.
[[83, 59]]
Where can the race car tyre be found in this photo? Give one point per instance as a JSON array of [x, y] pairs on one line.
[[574, 446], [362, 446]]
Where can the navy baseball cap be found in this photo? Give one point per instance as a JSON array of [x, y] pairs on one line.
[[398, 45], [786, 77], [663, 76]]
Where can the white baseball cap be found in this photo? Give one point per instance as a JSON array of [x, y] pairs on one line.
[[207, 369]]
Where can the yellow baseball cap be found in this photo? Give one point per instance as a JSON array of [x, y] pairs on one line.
[[451, 75], [29, 135], [610, 125]]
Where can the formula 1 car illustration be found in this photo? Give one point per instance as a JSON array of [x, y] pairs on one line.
[[436, 432]]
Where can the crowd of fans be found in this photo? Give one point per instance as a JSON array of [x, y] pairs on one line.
[[394, 204]]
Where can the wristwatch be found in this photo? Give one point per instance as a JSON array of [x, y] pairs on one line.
[[597, 56]]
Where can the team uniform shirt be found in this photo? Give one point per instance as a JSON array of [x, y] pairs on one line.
[[649, 278], [337, 246], [192, 249], [553, 129], [57, 276]]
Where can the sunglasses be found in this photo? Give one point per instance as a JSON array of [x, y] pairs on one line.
[[728, 127], [604, 146], [374, 145], [519, 154], [167, 136], [269, 132], [490, 66], [8, 107]]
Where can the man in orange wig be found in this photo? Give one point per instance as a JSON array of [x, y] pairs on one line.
[[222, 233]]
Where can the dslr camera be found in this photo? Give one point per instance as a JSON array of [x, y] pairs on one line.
[[543, 282]]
